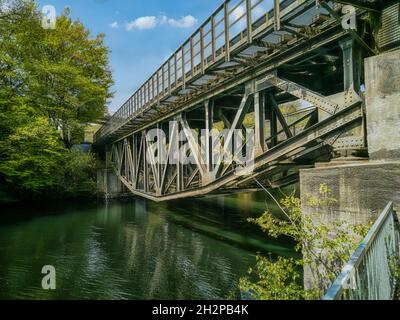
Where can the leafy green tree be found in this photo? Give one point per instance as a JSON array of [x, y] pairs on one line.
[[52, 82], [64, 73], [35, 162], [71, 78]]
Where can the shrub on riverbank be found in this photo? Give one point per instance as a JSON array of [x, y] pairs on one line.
[[32, 157], [36, 177], [79, 178]]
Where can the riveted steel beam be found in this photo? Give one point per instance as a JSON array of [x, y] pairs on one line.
[[303, 93]]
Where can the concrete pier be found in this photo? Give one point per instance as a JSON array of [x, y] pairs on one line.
[[108, 184], [382, 75]]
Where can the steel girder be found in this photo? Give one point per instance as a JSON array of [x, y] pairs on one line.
[[278, 157]]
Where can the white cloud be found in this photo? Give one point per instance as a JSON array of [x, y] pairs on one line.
[[142, 23], [150, 22], [114, 25], [184, 22]]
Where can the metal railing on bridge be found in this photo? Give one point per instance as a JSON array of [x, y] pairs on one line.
[[369, 274], [233, 25]]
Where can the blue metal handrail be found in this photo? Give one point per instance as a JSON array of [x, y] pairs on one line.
[[368, 274]]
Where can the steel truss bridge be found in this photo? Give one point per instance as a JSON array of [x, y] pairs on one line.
[[288, 69]]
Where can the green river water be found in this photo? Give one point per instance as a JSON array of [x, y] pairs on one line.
[[133, 249]]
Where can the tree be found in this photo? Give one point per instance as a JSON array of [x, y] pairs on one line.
[[64, 73], [71, 78], [52, 82]]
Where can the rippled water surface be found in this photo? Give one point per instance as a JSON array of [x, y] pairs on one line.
[[133, 249]]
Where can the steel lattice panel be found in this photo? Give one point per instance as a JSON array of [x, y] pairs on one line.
[[389, 34]]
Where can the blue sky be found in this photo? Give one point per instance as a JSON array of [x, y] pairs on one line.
[[140, 33]]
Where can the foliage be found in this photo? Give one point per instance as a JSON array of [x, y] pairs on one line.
[[52, 83], [394, 265], [277, 280], [79, 174], [35, 162], [31, 157], [63, 73], [324, 247]]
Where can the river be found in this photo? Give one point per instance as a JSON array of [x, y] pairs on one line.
[[133, 249]]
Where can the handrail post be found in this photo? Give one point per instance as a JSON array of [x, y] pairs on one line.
[[277, 15], [226, 29], [249, 22]]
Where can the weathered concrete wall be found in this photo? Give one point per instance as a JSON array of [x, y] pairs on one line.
[[362, 190], [108, 185], [382, 75]]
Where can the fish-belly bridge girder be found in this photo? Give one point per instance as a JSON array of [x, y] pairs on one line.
[[293, 76]]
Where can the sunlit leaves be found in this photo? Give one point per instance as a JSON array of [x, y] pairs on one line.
[[31, 156], [325, 247], [276, 280], [63, 73]]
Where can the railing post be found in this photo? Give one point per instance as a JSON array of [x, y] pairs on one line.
[[213, 38], [226, 29], [191, 57], [169, 77], [249, 22], [183, 67], [148, 92], [277, 15], [202, 49], [152, 88], [176, 69]]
